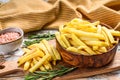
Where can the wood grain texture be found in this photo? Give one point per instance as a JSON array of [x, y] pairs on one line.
[[79, 60], [86, 72], [9, 67]]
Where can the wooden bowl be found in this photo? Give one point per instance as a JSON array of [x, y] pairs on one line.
[[80, 60]]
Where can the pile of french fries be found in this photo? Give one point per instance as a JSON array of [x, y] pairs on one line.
[[87, 38], [39, 56]]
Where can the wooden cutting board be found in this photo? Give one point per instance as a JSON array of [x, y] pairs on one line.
[[86, 72], [11, 67]]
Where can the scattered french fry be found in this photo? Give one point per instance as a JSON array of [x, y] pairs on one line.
[[39, 56], [56, 53], [49, 49], [27, 65], [39, 63]]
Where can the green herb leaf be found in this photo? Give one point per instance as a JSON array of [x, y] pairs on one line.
[[49, 74], [36, 38]]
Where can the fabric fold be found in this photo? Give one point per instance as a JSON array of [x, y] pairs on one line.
[[32, 15]]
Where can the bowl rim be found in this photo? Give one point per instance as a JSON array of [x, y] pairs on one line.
[[75, 53], [17, 28]]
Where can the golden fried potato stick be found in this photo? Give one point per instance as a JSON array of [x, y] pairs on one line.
[[32, 64], [56, 53], [39, 63], [83, 33], [76, 50], [115, 33], [95, 48], [47, 65], [64, 39], [83, 52], [106, 38], [83, 38], [57, 34], [26, 50], [102, 49], [27, 65], [111, 38], [73, 43], [35, 62], [33, 46], [42, 68], [80, 43], [49, 49], [73, 49], [82, 25], [27, 53], [30, 56], [96, 43]]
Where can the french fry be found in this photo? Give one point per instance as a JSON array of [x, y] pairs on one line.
[[26, 58], [33, 46], [26, 50], [83, 38], [63, 38], [73, 43], [73, 49], [39, 63], [42, 46], [49, 49], [96, 43], [42, 68], [82, 33], [102, 49], [56, 53], [115, 33], [46, 66], [95, 48], [79, 42], [109, 35], [106, 38], [81, 47], [47, 62], [31, 64], [79, 51], [59, 39], [83, 52], [27, 65], [28, 53]]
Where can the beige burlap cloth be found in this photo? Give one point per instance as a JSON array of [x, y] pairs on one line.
[[31, 15]]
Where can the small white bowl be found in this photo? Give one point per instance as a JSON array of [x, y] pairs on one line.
[[13, 45]]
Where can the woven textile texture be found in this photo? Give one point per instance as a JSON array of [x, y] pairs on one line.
[[31, 15]]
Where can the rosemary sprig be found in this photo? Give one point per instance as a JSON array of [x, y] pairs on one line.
[[36, 38], [48, 74]]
